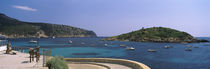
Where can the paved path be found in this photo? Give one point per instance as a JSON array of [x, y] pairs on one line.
[[19, 61], [92, 65], [85, 66], [115, 66]]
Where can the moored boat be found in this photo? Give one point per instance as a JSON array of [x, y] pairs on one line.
[[152, 50], [83, 43], [53, 37], [70, 41], [105, 44], [196, 47], [32, 41], [188, 49], [167, 47], [130, 48], [121, 45], [188, 45]]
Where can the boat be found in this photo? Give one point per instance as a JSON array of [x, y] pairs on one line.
[[83, 43], [188, 45], [167, 47], [53, 37], [121, 45], [130, 48], [32, 41], [196, 47], [105, 44], [151, 50], [70, 41], [206, 44], [188, 49]]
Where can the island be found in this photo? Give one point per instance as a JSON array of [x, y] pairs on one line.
[[13, 28], [156, 34]]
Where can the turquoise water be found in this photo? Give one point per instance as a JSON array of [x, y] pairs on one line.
[[173, 58]]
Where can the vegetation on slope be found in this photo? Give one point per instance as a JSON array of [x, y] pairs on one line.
[[155, 34], [13, 28]]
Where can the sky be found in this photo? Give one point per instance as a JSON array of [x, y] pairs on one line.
[[114, 17]]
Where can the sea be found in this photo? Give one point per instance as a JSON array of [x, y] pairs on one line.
[[93, 47]]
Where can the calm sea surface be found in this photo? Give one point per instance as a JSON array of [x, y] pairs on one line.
[[173, 58]]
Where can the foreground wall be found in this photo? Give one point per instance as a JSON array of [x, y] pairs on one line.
[[129, 63]]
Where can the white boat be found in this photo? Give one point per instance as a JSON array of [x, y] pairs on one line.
[[121, 45], [196, 47], [130, 48], [105, 44], [53, 37], [167, 47], [32, 41], [206, 44], [70, 41], [188, 45], [83, 43], [151, 50], [188, 49]]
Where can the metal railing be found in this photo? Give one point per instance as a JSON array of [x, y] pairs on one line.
[[3, 42]]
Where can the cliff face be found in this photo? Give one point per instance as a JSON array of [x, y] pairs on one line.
[[155, 34], [14, 28]]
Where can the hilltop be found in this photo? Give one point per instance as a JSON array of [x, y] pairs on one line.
[[156, 34], [13, 28]]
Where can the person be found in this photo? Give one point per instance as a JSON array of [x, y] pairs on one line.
[[37, 53], [9, 48], [30, 53]]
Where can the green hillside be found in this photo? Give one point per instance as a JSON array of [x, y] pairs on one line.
[[155, 34], [14, 28]]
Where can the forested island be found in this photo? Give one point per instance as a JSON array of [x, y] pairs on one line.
[[13, 28], [156, 34]]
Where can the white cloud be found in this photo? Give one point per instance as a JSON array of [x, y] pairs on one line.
[[24, 8]]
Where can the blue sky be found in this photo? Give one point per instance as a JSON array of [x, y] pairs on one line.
[[114, 17]]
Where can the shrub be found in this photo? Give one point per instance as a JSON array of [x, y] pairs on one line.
[[57, 63]]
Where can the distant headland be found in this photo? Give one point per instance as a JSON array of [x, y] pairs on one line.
[[156, 34], [13, 28]]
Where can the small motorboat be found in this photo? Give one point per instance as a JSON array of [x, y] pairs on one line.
[[188, 45], [32, 41], [151, 50], [70, 41], [105, 44], [130, 48], [167, 47], [83, 43], [188, 49], [206, 44], [196, 47], [53, 37], [121, 45]]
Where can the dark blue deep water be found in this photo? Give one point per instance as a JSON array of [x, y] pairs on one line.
[[173, 58]]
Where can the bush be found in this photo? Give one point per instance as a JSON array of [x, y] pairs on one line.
[[57, 63]]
